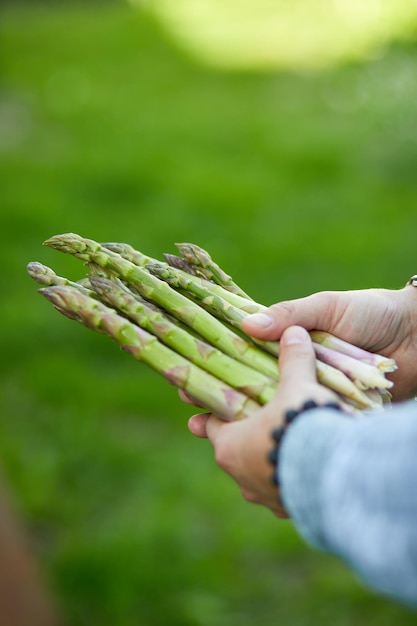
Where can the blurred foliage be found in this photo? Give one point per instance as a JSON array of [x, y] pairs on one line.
[[270, 34], [295, 183]]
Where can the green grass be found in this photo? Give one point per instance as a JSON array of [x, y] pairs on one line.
[[295, 183]]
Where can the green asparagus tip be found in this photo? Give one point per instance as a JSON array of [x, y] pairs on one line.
[[35, 269], [103, 285], [52, 294], [159, 267], [72, 243], [164, 272], [57, 241], [192, 252]]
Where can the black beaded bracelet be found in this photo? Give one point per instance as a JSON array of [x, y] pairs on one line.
[[278, 433]]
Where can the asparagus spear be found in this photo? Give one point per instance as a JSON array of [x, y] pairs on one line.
[[333, 378], [111, 262], [200, 258], [214, 303], [365, 376], [44, 275], [97, 271], [138, 258], [155, 321], [162, 294], [182, 264], [208, 391], [383, 363], [129, 253], [380, 397]]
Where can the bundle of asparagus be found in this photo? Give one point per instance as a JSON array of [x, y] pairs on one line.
[[183, 318]]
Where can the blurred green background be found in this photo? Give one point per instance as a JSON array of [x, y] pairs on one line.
[[295, 180]]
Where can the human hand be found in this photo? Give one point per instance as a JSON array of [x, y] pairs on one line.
[[241, 447], [379, 320]]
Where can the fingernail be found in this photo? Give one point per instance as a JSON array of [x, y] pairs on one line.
[[295, 335], [260, 319]]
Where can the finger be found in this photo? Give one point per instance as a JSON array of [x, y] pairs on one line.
[[197, 424], [278, 511], [213, 428], [314, 312], [188, 399], [272, 503], [297, 360]]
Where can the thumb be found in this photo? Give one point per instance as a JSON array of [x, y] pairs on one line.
[[214, 428], [315, 312], [297, 361]]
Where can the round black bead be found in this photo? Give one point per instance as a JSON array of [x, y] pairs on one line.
[[274, 479], [310, 404], [332, 405], [277, 434], [273, 456], [290, 415]]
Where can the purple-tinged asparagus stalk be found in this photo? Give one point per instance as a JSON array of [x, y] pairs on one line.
[[201, 259], [336, 380], [210, 392], [325, 339], [363, 375], [162, 294], [155, 321]]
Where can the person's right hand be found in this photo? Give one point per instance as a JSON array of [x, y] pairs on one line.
[[379, 320]]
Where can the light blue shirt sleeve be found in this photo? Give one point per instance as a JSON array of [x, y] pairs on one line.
[[350, 486]]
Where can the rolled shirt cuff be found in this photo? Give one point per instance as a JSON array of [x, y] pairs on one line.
[[305, 453]]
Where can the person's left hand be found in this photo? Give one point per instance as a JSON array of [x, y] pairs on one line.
[[241, 447]]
